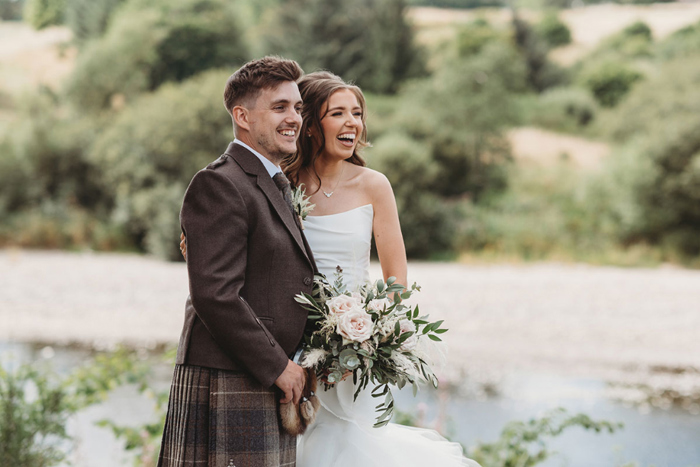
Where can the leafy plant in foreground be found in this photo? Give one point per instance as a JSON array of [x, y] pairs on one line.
[[524, 444]]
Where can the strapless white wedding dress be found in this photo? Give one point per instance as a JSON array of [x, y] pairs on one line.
[[343, 434]]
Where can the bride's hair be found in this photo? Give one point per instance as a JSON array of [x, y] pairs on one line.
[[316, 88]]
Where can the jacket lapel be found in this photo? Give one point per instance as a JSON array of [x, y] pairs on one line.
[[251, 165]]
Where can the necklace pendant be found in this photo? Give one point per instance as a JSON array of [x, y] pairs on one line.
[[328, 195]]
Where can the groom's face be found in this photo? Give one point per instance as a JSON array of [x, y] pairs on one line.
[[275, 120]]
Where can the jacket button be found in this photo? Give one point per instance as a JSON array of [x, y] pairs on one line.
[[307, 281]]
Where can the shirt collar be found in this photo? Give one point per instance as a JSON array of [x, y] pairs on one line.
[[271, 168]]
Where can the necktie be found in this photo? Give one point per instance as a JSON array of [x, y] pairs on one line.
[[283, 186]]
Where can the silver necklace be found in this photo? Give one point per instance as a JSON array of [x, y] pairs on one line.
[[328, 195]]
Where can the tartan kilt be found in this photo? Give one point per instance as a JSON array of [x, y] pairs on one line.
[[219, 418]]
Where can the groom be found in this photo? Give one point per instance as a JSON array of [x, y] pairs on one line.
[[246, 259]]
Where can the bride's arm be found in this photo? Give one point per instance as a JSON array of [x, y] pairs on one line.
[[387, 229]]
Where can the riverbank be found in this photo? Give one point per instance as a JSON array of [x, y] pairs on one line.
[[634, 328]]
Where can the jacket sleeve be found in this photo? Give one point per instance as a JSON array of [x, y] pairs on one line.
[[214, 219]]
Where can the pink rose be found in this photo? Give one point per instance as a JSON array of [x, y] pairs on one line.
[[355, 325], [342, 304], [378, 304]]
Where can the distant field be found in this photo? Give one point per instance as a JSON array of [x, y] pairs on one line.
[[548, 148], [588, 24], [29, 58]]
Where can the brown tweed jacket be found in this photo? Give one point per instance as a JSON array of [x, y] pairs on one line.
[[246, 259]]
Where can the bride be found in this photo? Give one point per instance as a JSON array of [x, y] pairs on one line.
[[352, 203]]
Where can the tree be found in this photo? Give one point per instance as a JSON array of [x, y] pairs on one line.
[[149, 43], [541, 72], [610, 82], [44, 13], [365, 41], [151, 151], [553, 30], [658, 123], [446, 143], [88, 19]]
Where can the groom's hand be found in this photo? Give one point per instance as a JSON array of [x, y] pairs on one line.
[[291, 382]]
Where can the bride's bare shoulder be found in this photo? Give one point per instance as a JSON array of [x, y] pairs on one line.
[[374, 183]]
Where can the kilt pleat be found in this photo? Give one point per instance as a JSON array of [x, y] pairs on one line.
[[219, 418]]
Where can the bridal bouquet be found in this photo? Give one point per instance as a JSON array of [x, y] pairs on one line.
[[371, 333]]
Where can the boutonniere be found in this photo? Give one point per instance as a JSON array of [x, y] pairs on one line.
[[301, 203]]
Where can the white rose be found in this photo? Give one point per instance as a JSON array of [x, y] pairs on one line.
[[410, 343], [342, 304], [378, 304], [355, 325], [358, 296]]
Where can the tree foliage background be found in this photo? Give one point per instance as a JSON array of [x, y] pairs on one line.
[[103, 161]]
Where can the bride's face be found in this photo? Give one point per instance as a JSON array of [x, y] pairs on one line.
[[341, 124]]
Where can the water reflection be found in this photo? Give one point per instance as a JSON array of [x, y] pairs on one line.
[[469, 410]]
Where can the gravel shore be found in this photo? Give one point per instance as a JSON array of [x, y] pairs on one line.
[[632, 326]]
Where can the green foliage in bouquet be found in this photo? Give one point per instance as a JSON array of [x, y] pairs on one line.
[[384, 351]]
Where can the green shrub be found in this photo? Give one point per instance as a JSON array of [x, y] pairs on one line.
[[610, 82], [88, 19], [634, 41], [365, 41], [565, 109], [553, 30], [11, 10], [150, 43], [522, 444], [427, 224], [461, 113], [45, 157], [31, 428], [682, 43], [380, 111], [151, 151], [541, 72], [638, 29], [44, 13], [658, 125], [450, 145], [543, 214], [458, 3], [35, 404], [475, 35]]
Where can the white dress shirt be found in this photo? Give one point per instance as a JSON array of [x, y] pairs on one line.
[[271, 168]]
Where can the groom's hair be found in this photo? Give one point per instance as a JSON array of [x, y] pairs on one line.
[[245, 85]]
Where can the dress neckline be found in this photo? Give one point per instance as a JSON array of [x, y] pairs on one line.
[[338, 213]]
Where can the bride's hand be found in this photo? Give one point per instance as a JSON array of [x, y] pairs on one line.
[[183, 246]]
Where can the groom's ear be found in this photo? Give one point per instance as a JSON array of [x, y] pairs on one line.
[[240, 117]]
